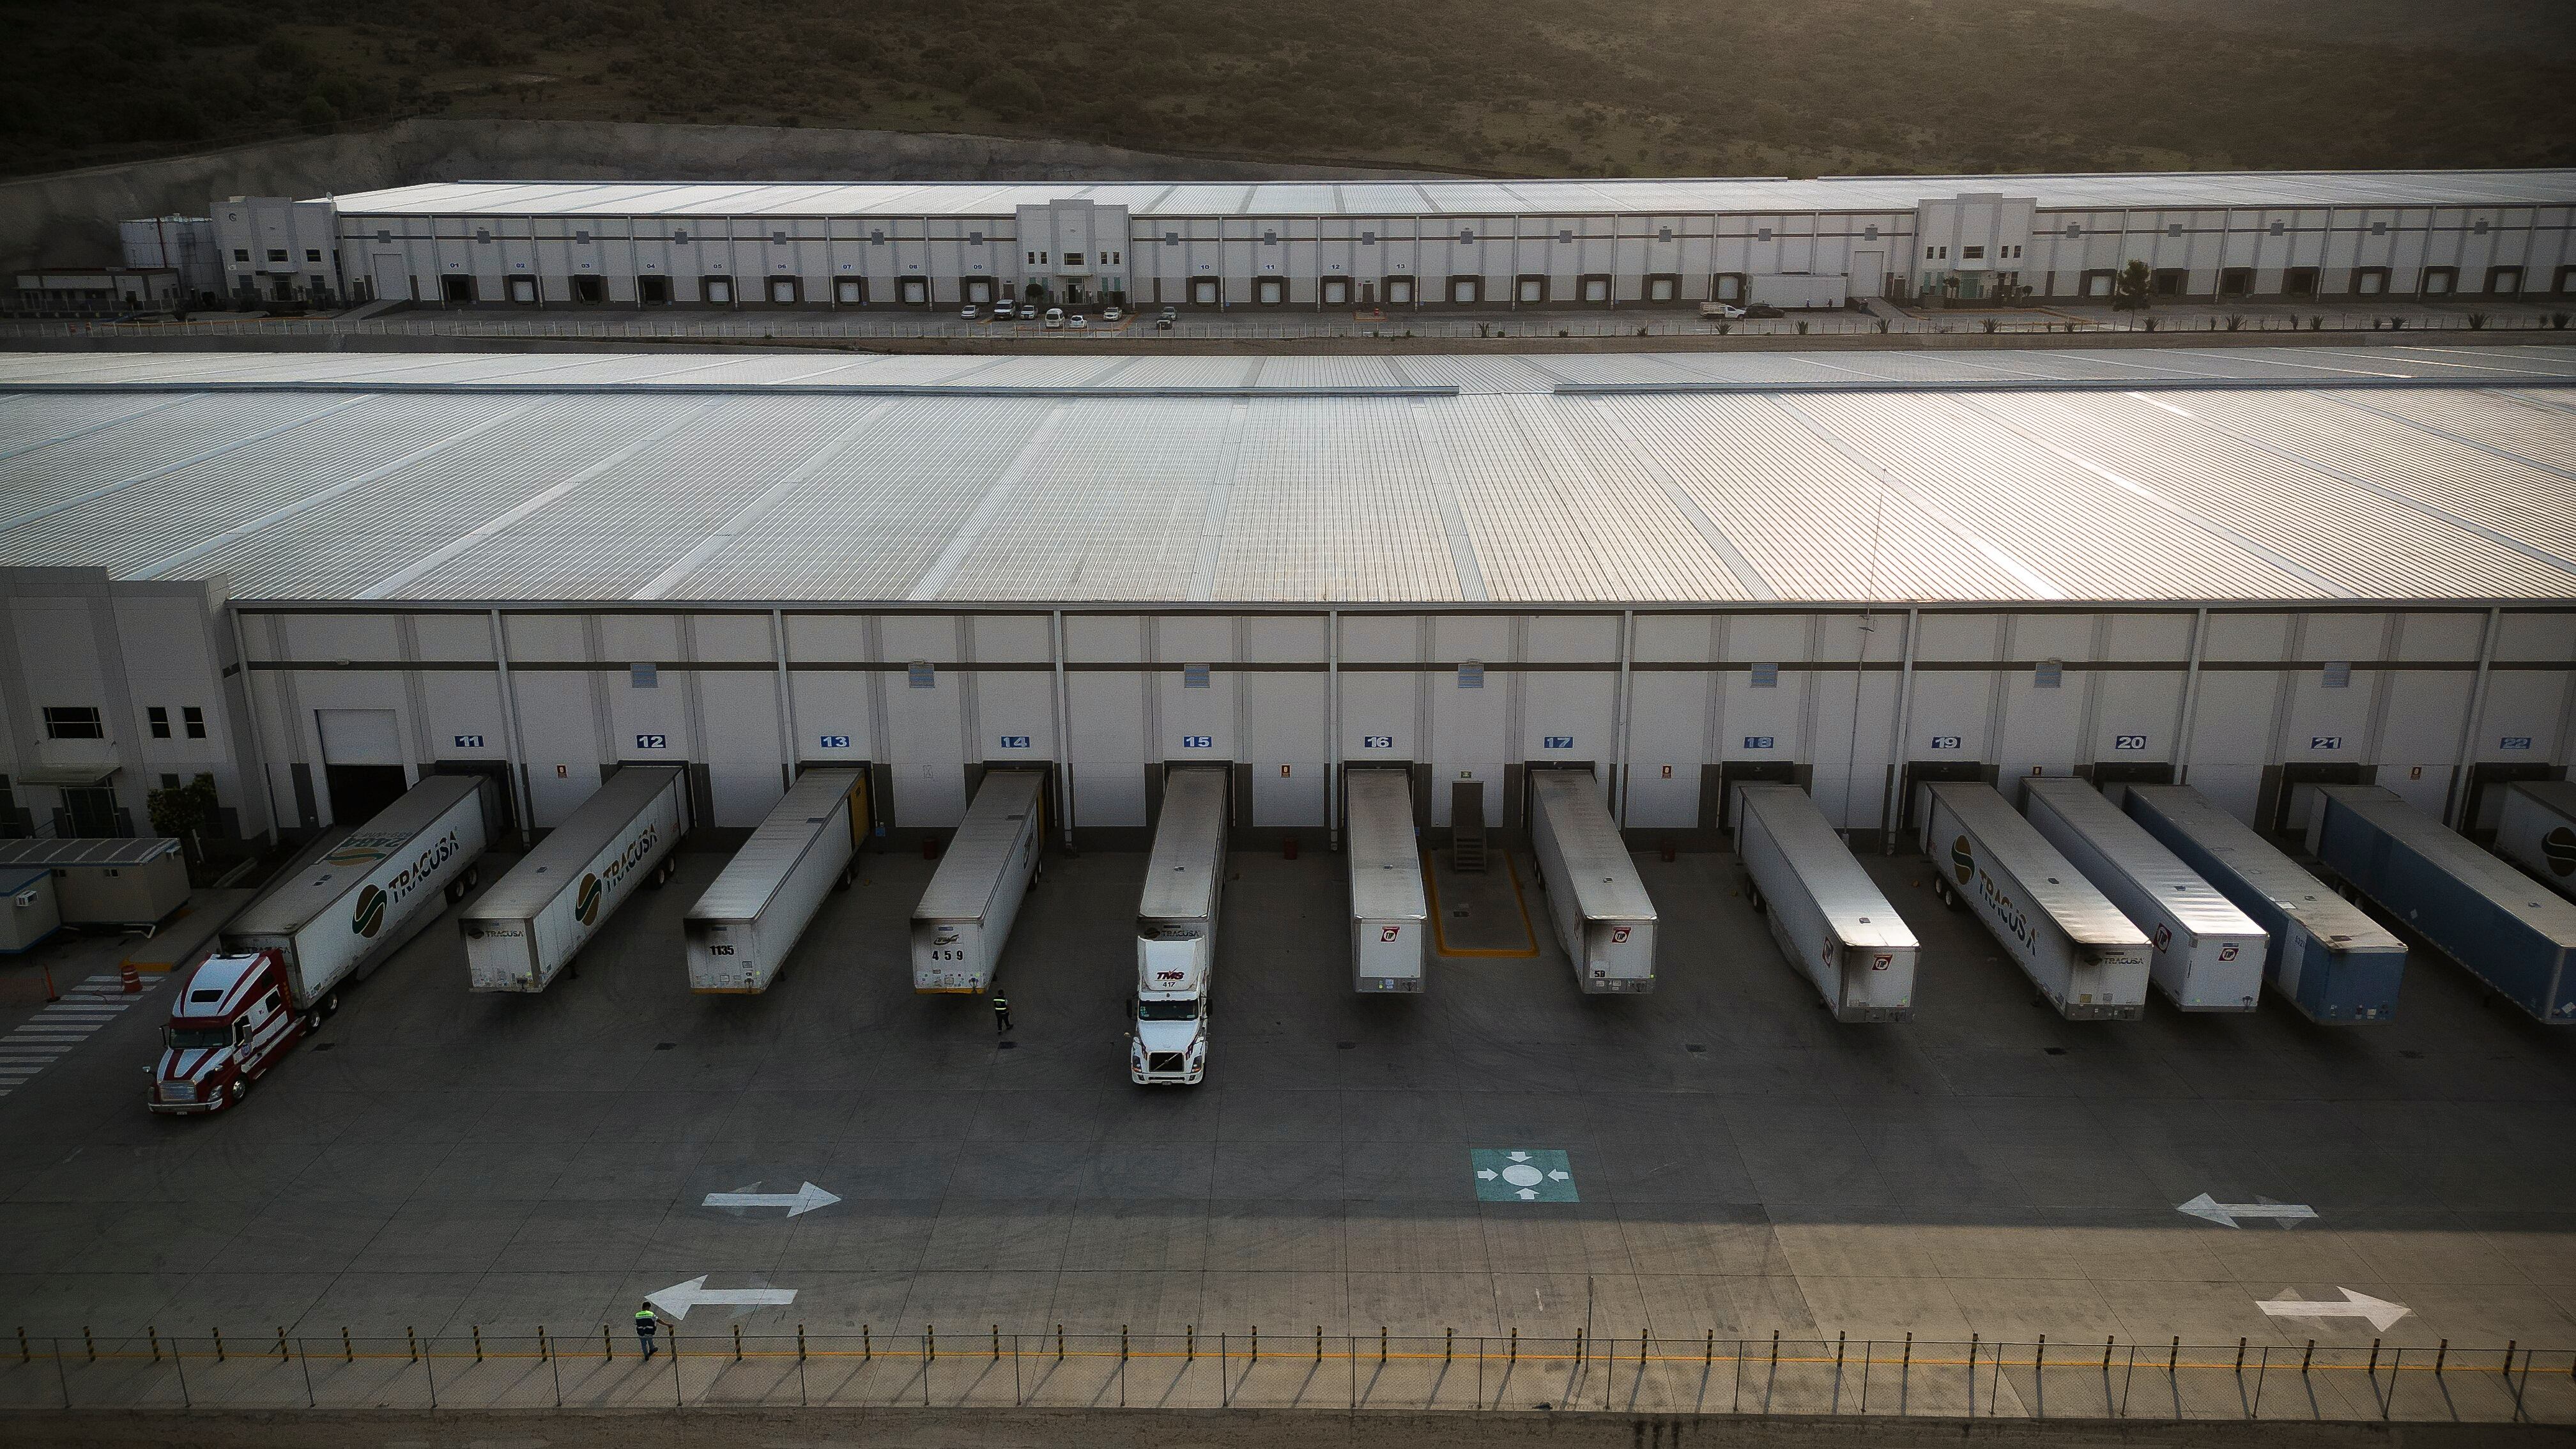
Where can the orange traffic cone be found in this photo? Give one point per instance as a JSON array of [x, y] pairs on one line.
[[132, 979]]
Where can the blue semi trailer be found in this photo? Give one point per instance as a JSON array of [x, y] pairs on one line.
[[2325, 957], [2509, 931]]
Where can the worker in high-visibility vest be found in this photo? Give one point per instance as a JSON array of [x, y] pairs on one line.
[[1001, 1013], [645, 1324]]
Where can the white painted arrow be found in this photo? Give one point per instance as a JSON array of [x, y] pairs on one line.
[[1487, 1173], [1560, 1174], [2379, 1311], [803, 1200], [679, 1298], [1518, 1156], [2225, 1214], [1529, 1194]]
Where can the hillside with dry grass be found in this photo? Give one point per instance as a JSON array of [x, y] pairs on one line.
[[1586, 87]]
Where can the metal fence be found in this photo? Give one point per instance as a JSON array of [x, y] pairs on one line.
[[988, 1368], [684, 328]]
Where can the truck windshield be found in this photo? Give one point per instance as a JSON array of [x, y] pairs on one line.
[[1186, 1009], [197, 1038]]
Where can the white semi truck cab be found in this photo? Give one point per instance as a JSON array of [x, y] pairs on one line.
[[1176, 923]]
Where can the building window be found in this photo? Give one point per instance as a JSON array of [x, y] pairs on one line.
[[2075, 228], [1762, 234], [1869, 233], [778, 238], [159, 719], [876, 238], [1466, 236], [1072, 261], [193, 720], [2379, 228], [2277, 228], [1663, 234], [1368, 238], [1565, 234], [241, 254], [1972, 254], [72, 723], [1173, 238], [277, 254], [581, 238], [483, 235], [312, 254], [1270, 238]]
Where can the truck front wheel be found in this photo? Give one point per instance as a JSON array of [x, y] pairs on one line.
[[238, 1090]]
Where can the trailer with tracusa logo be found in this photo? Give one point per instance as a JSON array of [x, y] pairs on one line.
[[281, 962], [2323, 954], [2208, 954], [1599, 906], [2537, 831], [966, 913], [532, 922], [1390, 914], [2086, 958], [740, 931], [1831, 921], [2513, 933]]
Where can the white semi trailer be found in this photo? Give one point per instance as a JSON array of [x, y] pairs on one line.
[[1833, 923], [964, 919], [375, 888], [1595, 900], [1176, 925], [1390, 912], [740, 932], [528, 927], [2076, 947], [2208, 954], [2537, 831]]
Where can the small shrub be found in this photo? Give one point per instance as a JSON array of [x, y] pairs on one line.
[[2558, 321], [1802, 329], [1882, 324], [2235, 320], [1725, 327], [2396, 324], [2477, 321], [1560, 332], [1641, 331], [2151, 324], [2316, 324]]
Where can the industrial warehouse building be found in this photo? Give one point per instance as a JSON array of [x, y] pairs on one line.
[[1402, 245], [317, 577]]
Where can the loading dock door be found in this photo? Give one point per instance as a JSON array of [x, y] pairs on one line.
[[393, 283], [362, 763]]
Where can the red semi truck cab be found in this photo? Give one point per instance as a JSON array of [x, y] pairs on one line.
[[230, 1025]]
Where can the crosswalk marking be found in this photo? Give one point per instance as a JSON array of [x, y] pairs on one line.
[[64, 1024]]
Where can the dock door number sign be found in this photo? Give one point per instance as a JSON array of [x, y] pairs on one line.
[[1945, 742], [1377, 742], [834, 742], [652, 742], [1198, 742]]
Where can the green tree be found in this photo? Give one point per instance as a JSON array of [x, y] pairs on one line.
[[2134, 290], [182, 811]]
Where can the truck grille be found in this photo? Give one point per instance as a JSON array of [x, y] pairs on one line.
[[178, 1091], [1163, 1061]]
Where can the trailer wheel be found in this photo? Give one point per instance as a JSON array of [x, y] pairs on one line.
[[1753, 893], [473, 878], [330, 1004], [455, 892], [312, 1021]]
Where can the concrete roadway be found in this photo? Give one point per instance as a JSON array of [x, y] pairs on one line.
[[440, 1160]]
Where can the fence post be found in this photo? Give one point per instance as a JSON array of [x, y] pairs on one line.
[[152, 1335], [1972, 1374], [997, 1341], [2240, 1356], [477, 1330], [2441, 1355], [737, 1343], [1516, 1345], [2374, 1358], [867, 1350], [1190, 1343], [1449, 1347], [545, 1353], [929, 1344], [1381, 1343], [179, 1361], [2396, 1367], [2106, 1355], [1319, 1343], [1256, 1343], [348, 1350], [281, 1343], [607, 1349], [219, 1344], [91, 1344]]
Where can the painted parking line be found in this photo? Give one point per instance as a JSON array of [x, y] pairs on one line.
[[37, 1042]]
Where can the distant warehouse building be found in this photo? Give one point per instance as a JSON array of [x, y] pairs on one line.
[[1394, 244], [318, 577]]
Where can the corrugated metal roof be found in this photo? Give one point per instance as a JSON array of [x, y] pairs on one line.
[[1655, 196], [1557, 479]]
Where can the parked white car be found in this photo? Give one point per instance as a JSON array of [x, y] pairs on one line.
[[1111, 314], [1723, 311], [1054, 317], [1078, 322], [968, 312], [1002, 312]]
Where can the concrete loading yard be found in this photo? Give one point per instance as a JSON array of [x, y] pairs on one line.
[[1696, 1167]]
